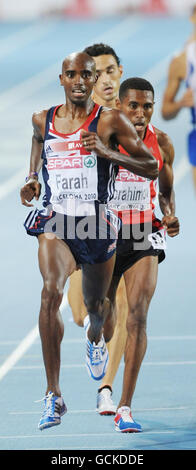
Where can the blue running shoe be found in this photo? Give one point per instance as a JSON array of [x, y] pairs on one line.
[[96, 355], [124, 421], [53, 410]]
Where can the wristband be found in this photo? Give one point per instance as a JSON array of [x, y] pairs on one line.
[[32, 174]]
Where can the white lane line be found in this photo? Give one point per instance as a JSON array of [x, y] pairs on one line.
[[82, 340], [176, 408], [150, 338], [24, 345], [38, 436], [81, 365], [173, 338], [22, 37], [18, 352]]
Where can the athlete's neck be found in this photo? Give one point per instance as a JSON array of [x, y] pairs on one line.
[[76, 110], [101, 102], [142, 134]]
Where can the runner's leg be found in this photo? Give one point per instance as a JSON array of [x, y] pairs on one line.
[[56, 263], [96, 279], [116, 345], [140, 282], [76, 299]]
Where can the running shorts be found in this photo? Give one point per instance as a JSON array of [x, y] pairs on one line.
[[136, 242], [91, 239]]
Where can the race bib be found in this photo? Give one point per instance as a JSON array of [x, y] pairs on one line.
[[132, 192], [158, 239], [73, 178]]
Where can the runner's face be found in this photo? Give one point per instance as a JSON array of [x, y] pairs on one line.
[[109, 74], [193, 15], [78, 78], [138, 107]]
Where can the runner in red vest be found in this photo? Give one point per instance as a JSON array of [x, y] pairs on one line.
[[141, 242]]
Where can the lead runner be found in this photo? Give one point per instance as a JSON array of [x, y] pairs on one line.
[[58, 133]]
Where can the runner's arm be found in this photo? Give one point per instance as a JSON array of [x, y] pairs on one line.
[[32, 188], [170, 105], [139, 159], [166, 191]]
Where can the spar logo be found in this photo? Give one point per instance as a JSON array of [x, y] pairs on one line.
[[90, 161], [125, 175], [64, 163]]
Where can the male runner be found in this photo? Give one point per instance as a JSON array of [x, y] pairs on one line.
[[78, 185], [141, 240], [105, 93], [182, 69]]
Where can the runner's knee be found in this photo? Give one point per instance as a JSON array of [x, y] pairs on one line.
[[93, 305], [137, 311], [52, 294]]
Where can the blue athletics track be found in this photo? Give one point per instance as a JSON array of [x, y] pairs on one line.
[[165, 398]]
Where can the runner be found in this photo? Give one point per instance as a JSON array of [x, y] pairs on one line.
[[105, 93], [182, 69], [141, 242], [78, 185]]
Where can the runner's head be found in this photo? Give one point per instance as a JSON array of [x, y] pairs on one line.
[[109, 73], [78, 77], [193, 15], [137, 101]]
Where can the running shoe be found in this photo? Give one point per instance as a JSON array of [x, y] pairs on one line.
[[54, 408], [124, 421], [105, 405], [96, 355]]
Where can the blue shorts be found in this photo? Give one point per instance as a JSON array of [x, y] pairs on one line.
[[91, 239], [192, 147]]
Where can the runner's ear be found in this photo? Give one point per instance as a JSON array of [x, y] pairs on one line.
[[118, 104], [96, 77], [121, 70]]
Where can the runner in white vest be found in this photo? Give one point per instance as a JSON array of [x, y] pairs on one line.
[[182, 69]]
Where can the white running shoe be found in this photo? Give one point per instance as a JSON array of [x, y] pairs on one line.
[[96, 356], [105, 405]]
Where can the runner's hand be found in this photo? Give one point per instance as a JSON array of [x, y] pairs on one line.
[[187, 100], [171, 225], [30, 190], [91, 141]]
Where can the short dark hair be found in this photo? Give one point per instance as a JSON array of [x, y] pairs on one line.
[[135, 83], [193, 10], [101, 49]]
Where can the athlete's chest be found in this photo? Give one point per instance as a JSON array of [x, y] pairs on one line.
[[68, 125]]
